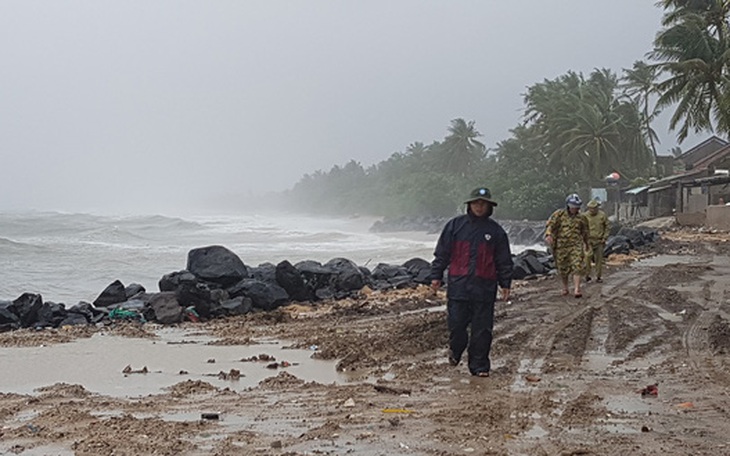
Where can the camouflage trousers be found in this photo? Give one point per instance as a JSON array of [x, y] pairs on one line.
[[570, 260]]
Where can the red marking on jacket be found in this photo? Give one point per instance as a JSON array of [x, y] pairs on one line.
[[485, 261], [459, 264]]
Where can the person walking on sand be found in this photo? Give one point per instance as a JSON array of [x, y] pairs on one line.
[[476, 251], [597, 235], [566, 233]]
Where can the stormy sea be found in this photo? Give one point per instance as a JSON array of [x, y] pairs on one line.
[[67, 258]]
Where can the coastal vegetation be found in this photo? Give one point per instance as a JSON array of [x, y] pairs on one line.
[[575, 130]]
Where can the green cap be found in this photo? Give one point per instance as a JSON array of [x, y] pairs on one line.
[[593, 203], [480, 193]]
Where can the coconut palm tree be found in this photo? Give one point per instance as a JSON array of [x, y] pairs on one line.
[[461, 149], [583, 125], [640, 84], [694, 51]]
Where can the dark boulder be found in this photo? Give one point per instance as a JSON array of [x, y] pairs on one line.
[[314, 274], [112, 294], [217, 296], [236, 306], [366, 273], [198, 296], [384, 271], [8, 318], [401, 282], [165, 308], [73, 319], [347, 276], [133, 290], [51, 315], [265, 272], [27, 307], [89, 312], [419, 269], [390, 276], [291, 280], [217, 264], [171, 281], [263, 295], [324, 293]]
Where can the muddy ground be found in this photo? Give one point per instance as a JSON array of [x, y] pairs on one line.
[[568, 376]]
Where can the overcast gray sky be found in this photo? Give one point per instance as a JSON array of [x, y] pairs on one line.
[[150, 105]]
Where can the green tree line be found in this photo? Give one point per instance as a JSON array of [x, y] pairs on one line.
[[576, 129]]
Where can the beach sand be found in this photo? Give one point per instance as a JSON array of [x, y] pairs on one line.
[[571, 376]]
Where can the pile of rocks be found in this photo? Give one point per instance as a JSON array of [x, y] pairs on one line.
[[216, 283]]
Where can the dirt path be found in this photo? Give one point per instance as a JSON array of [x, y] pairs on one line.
[[567, 380]]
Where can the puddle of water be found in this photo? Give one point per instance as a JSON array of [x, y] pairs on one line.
[[425, 310], [527, 366], [664, 260], [635, 404], [597, 361], [536, 432], [43, 450], [97, 363], [232, 422], [670, 317], [617, 426]]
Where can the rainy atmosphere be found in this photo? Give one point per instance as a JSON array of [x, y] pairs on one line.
[[408, 227]]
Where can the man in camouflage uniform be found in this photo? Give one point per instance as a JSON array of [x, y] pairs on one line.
[[597, 235], [567, 233]]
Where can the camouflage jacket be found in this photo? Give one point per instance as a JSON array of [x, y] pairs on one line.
[[566, 229]]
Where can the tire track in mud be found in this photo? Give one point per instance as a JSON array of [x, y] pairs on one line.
[[696, 338], [707, 368], [633, 315], [542, 343], [647, 314], [620, 281], [567, 337]]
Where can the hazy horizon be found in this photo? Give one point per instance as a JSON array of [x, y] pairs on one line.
[[169, 106]]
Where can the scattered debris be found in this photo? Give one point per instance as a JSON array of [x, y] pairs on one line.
[[391, 390], [261, 357], [128, 370], [233, 374], [650, 390]]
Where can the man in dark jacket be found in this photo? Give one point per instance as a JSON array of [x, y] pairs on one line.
[[476, 251]]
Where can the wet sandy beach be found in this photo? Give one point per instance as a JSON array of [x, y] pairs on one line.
[[369, 376]]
